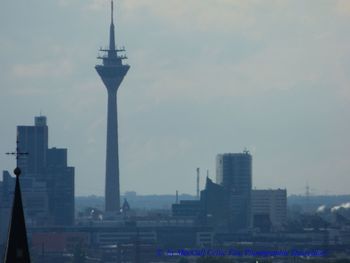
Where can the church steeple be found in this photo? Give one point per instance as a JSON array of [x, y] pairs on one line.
[[17, 244]]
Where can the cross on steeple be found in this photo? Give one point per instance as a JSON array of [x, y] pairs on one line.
[[18, 154]]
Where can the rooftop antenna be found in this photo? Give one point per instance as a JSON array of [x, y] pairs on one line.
[[112, 11], [307, 190], [307, 195], [111, 33], [198, 175], [177, 197]]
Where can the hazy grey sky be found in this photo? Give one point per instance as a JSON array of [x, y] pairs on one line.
[[206, 77]]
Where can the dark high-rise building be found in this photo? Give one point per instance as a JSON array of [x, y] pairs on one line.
[[112, 72], [47, 181], [33, 139], [234, 173], [60, 182]]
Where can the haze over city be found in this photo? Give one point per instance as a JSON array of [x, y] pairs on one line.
[[206, 77]]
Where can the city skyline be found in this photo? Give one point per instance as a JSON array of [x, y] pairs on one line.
[[206, 79]]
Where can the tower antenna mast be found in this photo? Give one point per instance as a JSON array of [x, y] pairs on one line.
[[112, 11], [112, 72]]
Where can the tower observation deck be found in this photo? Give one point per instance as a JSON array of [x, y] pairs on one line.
[[112, 72]]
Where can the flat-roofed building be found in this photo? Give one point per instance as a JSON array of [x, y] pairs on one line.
[[271, 204]]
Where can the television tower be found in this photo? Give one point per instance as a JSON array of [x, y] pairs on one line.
[[112, 72]]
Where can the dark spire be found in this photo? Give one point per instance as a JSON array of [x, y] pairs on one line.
[[111, 31], [17, 244], [126, 206]]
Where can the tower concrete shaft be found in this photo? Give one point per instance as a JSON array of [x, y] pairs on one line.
[[112, 72]]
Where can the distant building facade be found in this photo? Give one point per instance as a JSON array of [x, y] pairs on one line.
[[214, 204], [234, 173], [270, 205], [211, 210], [186, 208], [230, 205]]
